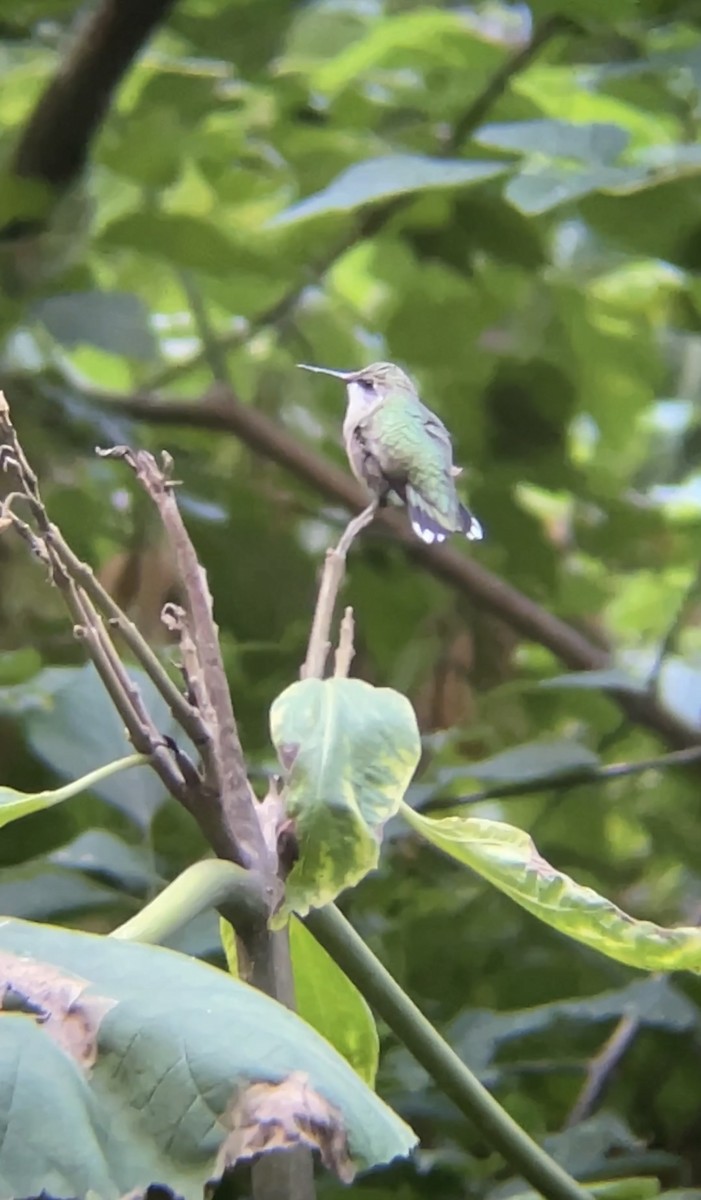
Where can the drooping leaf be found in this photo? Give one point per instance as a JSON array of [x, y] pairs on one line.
[[382, 178], [14, 805], [113, 321], [508, 859], [348, 752], [145, 1088], [331, 1004]]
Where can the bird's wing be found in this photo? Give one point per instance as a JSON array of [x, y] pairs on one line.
[[439, 435]]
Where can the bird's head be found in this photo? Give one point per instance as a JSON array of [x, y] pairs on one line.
[[375, 381]]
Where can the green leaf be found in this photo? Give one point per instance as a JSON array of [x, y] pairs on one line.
[[141, 1089], [40, 893], [533, 761], [181, 240], [540, 188], [478, 1034], [590, 142], [411, 39], [348, 751], [71, 725], [14, 805], [115, 322], [508, 859], [325, 998], [331, 1004], [382, 178], [100, 853]]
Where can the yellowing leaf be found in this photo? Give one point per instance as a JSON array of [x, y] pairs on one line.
[[348, 751], [508, 858]]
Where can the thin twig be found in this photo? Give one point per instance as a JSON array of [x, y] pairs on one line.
[[575, 778], [214, 353], [601, 1067], [183, 712], [346, 647], [605, 1061], [669, 640], [331, 580]]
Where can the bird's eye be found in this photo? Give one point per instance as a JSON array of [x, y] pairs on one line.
[[366, 385]]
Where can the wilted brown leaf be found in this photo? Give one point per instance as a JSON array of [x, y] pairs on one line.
[[57, 1002], [266, 1117]]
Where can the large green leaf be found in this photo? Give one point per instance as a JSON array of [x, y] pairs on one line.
[[507, 858], [388, 176], [124, 1083], [348, 751], [14, 805]]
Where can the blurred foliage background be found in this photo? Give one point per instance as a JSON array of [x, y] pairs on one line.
[[506, 201]]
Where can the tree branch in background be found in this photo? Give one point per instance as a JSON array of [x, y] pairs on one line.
[[55, 142], [576, 778], [221, 410], [473, 116]]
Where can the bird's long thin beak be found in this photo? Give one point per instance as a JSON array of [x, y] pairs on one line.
[[345, 375]]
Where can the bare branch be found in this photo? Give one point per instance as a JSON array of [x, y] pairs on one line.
[[220, 410], [55, 141], [575, 778], [601, 1068], [226, 768], [495, 87]]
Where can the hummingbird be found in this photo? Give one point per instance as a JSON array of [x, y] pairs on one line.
[[402, 451]]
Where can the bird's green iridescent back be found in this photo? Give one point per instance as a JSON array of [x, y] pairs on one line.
[[411, 442]]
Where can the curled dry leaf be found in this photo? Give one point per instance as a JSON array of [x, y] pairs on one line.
[[266, 1117], [57, 1001]]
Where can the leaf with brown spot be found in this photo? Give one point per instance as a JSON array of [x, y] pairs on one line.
[[57, 1001], [267, 1117], [179, 1040]]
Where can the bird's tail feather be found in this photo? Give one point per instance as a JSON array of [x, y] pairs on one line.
[[426, 521], [432, 526], [469, 525]]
